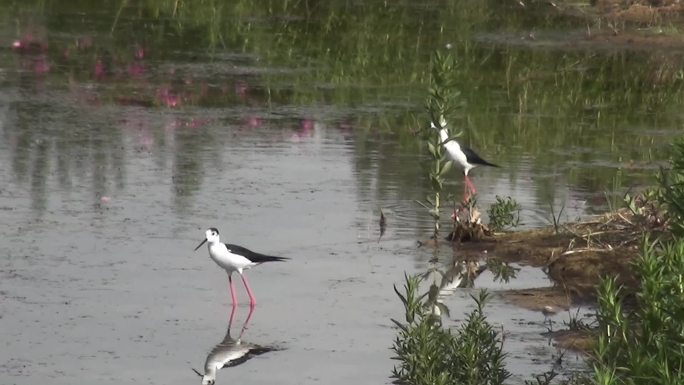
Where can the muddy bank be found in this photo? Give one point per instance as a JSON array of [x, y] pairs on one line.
[[575, 256], [642, 25]]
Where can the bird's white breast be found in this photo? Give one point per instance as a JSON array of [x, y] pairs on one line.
[[227, 260], [454, 150]]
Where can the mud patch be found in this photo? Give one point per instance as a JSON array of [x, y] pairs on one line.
[[575, 256], [576, 340], [537, 299]]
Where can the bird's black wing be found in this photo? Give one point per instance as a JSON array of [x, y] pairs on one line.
[[473, 158], [251, 353], [252, 256]]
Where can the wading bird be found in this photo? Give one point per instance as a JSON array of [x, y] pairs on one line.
[[230, 352], [234, 258], [462, 156]]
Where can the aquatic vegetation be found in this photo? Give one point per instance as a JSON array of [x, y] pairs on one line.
[[672, 189], [555, 217], [440, 102], [642, 342], [430, 353], [504, 213]]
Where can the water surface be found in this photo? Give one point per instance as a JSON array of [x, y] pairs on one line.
[[124, 138]]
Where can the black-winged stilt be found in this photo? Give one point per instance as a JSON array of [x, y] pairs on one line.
[[462, 156], [234, 258], [230, 352]]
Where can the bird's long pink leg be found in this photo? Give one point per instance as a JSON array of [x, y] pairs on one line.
[[232, 291], [249, 317], [252, 300], [232, 315], [465, 189], [470, 185]]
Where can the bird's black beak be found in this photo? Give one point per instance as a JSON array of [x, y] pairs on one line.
[[200, 245], [193, 369]]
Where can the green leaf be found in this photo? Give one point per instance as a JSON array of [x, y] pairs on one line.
[[446, 167], [400, 325], [436, 183], [432, 150], [403, 299]]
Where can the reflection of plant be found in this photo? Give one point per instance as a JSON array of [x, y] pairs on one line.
[[503, 272], [646, 344], [504, 213], [543, 379], [431, 354], [556, 217]]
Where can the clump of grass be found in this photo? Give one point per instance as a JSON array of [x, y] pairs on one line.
[[672, 189], [575, 322], [504, 213], [644, 345], [428, 353], [556, 217]]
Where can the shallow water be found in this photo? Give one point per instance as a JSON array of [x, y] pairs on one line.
[[109, 177]]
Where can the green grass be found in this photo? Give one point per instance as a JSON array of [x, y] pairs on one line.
[[643, 343], [430, 353], [504, 213]]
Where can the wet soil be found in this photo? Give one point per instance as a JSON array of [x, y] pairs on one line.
[[575, 256], [635, 25]]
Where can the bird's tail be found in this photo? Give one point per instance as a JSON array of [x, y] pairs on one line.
[[267, 258]]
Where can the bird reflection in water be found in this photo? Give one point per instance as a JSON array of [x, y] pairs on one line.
[[230, 352], [460, 274]]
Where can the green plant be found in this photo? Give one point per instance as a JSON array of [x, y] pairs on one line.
[[612, 195], [431, 354], [630, 202], [439, 103], [575, 322], [556, 217], [504, 213], [644, 345], [672, 189]]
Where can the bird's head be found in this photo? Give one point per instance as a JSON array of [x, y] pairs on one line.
[[211, 236], [442, 123], [207, 379]]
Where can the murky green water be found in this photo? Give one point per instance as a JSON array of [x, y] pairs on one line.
[[125, 132]]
